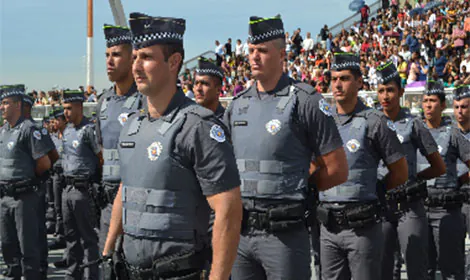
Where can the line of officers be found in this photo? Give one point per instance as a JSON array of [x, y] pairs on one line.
[[199, 192]]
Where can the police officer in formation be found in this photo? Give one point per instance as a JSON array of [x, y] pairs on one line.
[[277, 125], [462, 117], [208, 85], [351, 232], [113, 109], [175, 160], [405, 221], [59, 123], [80, 162], [23, 159], [444, 202]]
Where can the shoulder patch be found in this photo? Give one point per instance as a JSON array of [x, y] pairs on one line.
[[325, 107], [44, 131], [37, 135], [217, 133], [391, 125]]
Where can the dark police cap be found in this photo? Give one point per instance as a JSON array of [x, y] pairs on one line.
[[28, 99], [265, 29], [71, 96], [462, 92], [58, 112], [345, 61], [11, 90], [386, 72], [148, 31], [116, 35], [206, 67], [434, 88]]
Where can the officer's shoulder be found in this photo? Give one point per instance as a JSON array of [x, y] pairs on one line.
[[105, 93], [304, 89], [28, 124], [243, 93], [372, 115]]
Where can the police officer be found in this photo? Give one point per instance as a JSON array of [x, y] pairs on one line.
[[405, 220], [23, 157], [277, 125], [80, 163], [45, 187], [446, 228], [462, 116], [113, 109], [207, 86], [185, 162], [351, 232]]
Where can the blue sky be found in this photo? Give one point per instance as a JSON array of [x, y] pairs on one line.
[[43, 42]]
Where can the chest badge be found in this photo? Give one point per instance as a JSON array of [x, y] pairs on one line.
[[217, 133], [325, 107], [154, 150], [400, 138], [391, 125], [44, 131], [273, 126], [37, 135], [75, 143], [123, 118], [10, 145], [353, 145]]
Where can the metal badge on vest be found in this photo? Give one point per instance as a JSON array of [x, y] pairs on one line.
[[79, 157]]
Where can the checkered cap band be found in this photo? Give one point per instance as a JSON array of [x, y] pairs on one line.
[[388, 78], [156, 37], [212, 72], [272, 34], [119, 40], [346, 65], [74, 98]]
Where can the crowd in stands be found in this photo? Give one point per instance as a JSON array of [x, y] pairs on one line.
[[424, 43]]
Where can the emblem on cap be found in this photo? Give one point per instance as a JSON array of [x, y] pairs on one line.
[[400, 138], [391, 125], [353, 145], [75, 143], [10, 145], [44, 131], [123, 118], [325, 107], [37, 135], [154, 150], [217, 133], [273, 126]]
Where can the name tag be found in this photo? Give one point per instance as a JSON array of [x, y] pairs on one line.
[[240, 123], [127, 144]]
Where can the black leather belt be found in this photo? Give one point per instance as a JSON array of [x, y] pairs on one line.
[[13, 189], [350, 217], [79, 182]]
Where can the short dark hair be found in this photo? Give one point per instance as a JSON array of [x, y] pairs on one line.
[[172, 48], [356, 73]]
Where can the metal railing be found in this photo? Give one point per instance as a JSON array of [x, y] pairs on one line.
[[350, 21]]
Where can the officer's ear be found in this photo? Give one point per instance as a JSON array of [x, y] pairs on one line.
[[175, 61]]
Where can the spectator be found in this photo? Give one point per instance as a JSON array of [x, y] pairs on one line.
[[308, 44], [440, 62], [228, 47], [465, 63], [365, 10], [324, 32], [219, 51], [239, 50], [458, 37], [189, 90], [297, 41]]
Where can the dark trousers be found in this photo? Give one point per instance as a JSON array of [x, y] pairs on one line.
[[58, 187], [42, 231], [352, 253], [80, 235], [273, 256], [466, 215], [446, 243], [17, 227], [408, 233]]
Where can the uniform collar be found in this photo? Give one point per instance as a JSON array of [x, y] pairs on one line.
[[219, 112], [81, 124], [131, 91], [175, 104], [283, 82], [18, 123], [343, 119], [403, 114]]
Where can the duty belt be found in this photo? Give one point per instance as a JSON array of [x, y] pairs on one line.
[[182, 266], [275, 219], [350, 217], [79, 182], [16, 188], [409, 192], [58, 169], [447, 198]]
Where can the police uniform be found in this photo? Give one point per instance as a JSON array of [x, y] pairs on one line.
[[20, 147], [405, 221], [80, 164], [113, 111], [351, 231], [446, 228], [184, 156], [275, 135]]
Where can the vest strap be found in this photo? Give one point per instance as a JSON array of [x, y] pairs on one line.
[[111, 170], [104, 105], [263, 187], [284, 100], [130, 102], [262, 166], [110, 154]]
